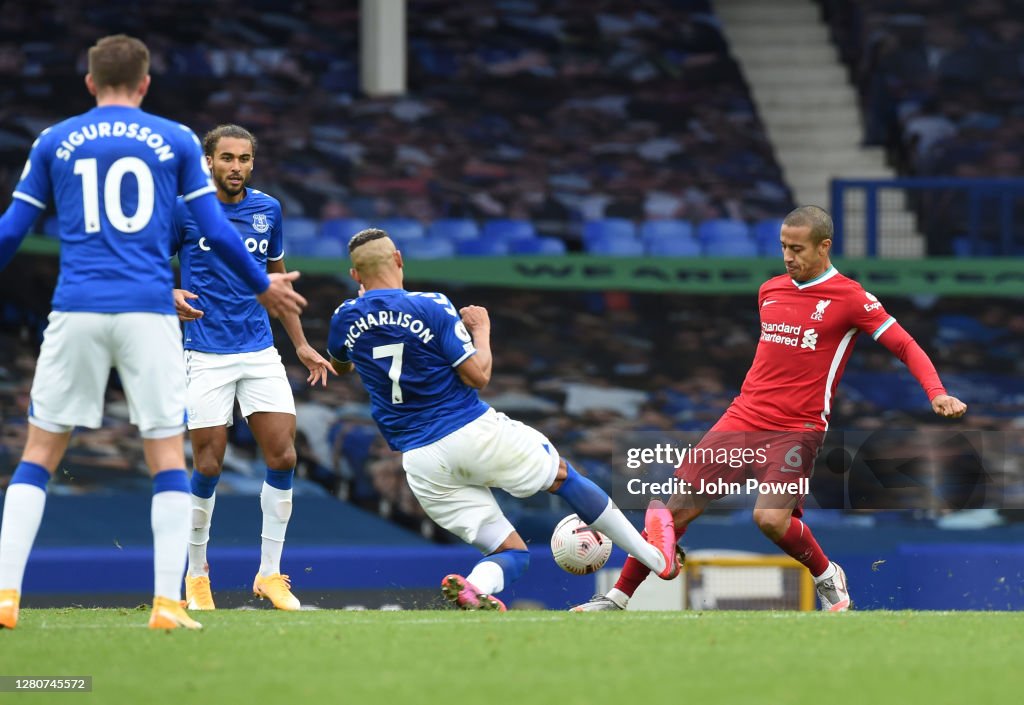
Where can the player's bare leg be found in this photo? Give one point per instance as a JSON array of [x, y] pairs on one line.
[[208, 448], [773, 514], [275, 434], [169, 517], [23, 513]]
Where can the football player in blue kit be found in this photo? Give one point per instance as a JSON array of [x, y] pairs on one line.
[[229, 355], [422, 362], [115, 173]]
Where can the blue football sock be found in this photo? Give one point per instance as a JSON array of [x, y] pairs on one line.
[[583, 495]]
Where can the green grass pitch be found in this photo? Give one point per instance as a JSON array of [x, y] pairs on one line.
[[450, 657]]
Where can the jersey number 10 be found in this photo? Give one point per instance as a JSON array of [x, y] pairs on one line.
[[87, 169]]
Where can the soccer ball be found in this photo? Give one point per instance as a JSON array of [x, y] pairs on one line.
[[577, 548]]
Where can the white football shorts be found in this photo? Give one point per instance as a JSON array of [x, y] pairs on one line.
[[257, 379], [452, 477], [78, 350]]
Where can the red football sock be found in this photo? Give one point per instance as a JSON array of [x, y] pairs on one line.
[[800, 543], [634, 572]]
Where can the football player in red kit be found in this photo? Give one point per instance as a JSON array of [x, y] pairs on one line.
[[810, 318]]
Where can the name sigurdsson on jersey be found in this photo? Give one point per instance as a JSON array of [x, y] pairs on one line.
[[118, 128], [388, 318]]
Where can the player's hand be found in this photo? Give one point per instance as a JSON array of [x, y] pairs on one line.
[[280, 299], [316, 364], [182, 308], [949, 407], [475, 318]]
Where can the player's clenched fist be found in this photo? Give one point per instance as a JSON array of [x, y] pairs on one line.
[[475, 318], [950, 407]]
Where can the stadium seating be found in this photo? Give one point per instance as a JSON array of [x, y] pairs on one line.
[[537, 246], [618, 246], [341, 228], [608, 229], [669, 238], [404, 229], [507, 230], [454, 229], [726, 238], [673, 247], [481, 248], [428, 248], [299, 228], [766, 234]]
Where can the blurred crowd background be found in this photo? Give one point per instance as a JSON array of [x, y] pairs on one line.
[[552, 114]]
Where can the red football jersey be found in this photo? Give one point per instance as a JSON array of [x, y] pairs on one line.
[[807, 334]]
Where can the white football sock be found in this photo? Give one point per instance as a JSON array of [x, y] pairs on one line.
[[202, 516], [277, 510], [830, 572], [487, 577], [618, 597], [614, 524], [169, 517], [23, 512]]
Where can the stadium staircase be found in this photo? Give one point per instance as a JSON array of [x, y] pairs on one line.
[[810, 110]]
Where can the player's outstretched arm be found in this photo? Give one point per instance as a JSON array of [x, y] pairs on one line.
[[14, 226], [274, 292], [903, 346], [475, 371], [317, 365]]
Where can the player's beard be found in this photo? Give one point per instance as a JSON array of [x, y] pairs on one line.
[[224, 185]]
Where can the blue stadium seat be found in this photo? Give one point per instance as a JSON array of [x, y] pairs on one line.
[[481, 248], [965, 247], [404, 229], [300, 248], [673, 247], [726, 238], [766, 234], [653, 230], [619, 228], [537, 246], [299, 229], [327, 248], [341, 228], [618, 246], [731, 248], [454, 229], [506, 230], [722, 229], [428, 248], [670, 238]]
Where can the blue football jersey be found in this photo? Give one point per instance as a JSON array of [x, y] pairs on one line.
[[233, 320], [406, 346], [115, 173]]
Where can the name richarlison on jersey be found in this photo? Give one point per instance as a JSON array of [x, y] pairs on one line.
[[388, 318], [118, 128]]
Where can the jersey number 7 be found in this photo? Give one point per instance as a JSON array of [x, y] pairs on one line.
[[395, 352]]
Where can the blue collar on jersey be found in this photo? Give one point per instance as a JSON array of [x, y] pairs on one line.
[[824, 276], [381, 292]]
